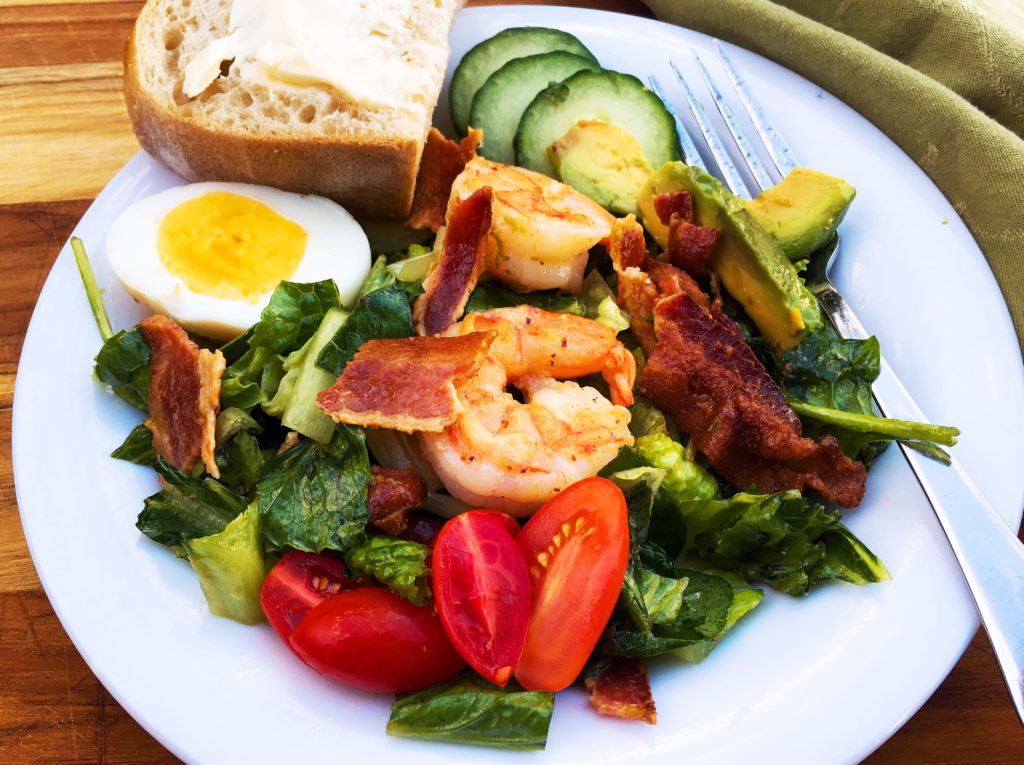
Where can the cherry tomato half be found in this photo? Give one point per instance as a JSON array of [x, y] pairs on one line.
[[298, 582], [510, 523], [482, 592], [576, 549], [374, 640]]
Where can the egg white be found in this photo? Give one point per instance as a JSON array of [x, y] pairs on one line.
[[336, 248]]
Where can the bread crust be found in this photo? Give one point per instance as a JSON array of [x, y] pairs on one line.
[[369, 177]]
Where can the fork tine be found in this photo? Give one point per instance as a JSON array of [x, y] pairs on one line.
[[782, 155], [733, 179], [757, 169], [689, 148]]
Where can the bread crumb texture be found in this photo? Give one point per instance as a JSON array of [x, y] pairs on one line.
[[170, 33]]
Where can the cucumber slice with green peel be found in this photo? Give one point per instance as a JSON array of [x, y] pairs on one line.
[[489, 56], [604, 96], [501, 100]]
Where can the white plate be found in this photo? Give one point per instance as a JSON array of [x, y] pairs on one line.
[[820, 680]]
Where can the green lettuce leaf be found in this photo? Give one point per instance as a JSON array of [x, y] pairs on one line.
[[231, 567], [294, 404], [381, 314], [599, 304], [380, 276], [137, 447], [187, 508], [471, 711], [781, 539], [490, 295], [289, 320], [398, 564], [123, 364], [240, 462], [313, 496]]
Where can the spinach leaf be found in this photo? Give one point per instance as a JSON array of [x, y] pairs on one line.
[[490, 295], [313, 496], [398, 564], [381, 314], [231, 567], [830, 371], [137, 447], [782, 539], [123, 364], [472, 711], [187, 508]]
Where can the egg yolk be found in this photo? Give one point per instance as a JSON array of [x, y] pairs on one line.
[[229, 246]]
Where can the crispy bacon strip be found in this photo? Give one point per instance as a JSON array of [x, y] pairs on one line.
[[467, 242], [184, 395], [709, 381], [440, 165], [689, 246], [643, 281], [623, 689], [393, 493], [409, 384]]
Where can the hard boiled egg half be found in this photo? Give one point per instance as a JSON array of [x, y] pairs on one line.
[[209, 255]]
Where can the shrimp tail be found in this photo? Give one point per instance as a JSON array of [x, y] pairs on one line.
[[620, 374]]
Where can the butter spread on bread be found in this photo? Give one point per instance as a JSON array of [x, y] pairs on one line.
[[313, 96]]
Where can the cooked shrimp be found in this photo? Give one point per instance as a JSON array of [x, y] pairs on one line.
[[531, 341], [514, 456], [543, 229]]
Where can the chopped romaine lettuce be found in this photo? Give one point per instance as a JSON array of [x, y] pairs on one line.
[[187, 508], [471, 711], [381, 314], [231, 567], [398, 564], [490, 295], [313, 496], [295, 401], [137, 447], [599, 304]]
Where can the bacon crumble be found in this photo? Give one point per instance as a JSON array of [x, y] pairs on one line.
[[623, 689], [393, 494]]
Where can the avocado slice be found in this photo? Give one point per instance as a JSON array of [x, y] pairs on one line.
[[750, 263], [602, 161], [803, 210]]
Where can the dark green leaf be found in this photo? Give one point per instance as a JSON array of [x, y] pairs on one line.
[[235, 348], [240, 462], [778, 538], [398, 564], [381, 314], [313, 496], [232, 421], [490, 295], [123, 364], [252, 379], [471, 711], [137, 447], [832, 372], [187, 508], [293, 314]]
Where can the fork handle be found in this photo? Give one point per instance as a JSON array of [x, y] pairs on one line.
[[989, 553]]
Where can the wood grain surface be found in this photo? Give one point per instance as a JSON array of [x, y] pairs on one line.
[[63, 135]]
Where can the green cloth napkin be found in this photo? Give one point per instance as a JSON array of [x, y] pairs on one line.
[[943, 78]]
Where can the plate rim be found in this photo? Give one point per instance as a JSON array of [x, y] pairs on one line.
[[19, 409]]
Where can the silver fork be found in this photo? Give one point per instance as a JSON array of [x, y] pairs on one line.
[[988, 551]]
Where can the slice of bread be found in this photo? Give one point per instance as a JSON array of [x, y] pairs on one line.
[[308, 139]]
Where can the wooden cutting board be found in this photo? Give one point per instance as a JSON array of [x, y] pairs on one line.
[[63, 134]]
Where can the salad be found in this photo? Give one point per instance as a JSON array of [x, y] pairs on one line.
[[548, 445]]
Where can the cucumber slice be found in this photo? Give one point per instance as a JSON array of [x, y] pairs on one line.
[[604, 96], [502, 99], [487, 57]]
